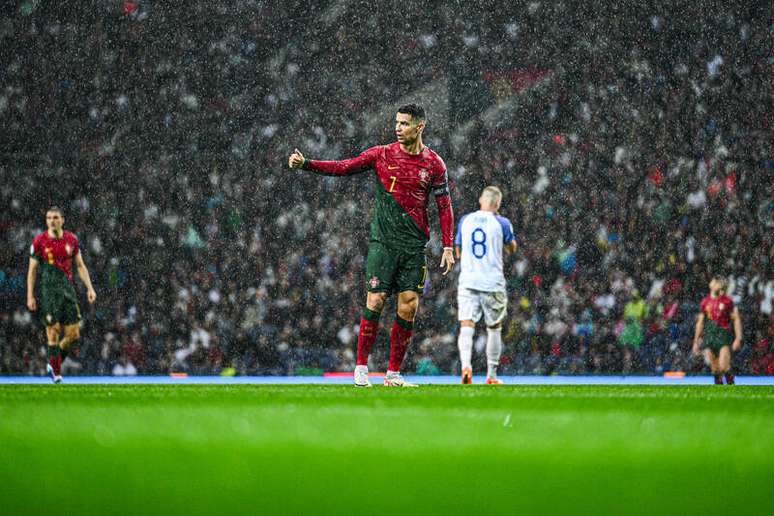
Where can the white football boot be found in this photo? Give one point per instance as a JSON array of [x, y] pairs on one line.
[[361, 376], [393, 379]]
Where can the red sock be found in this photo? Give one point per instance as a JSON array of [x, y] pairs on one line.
[[400, 337], [56, 364], [366, 339]]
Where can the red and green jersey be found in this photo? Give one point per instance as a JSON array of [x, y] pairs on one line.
[[55, 256], [718, 310], [404, 183]]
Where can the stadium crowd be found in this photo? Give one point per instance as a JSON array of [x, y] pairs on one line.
[[639, 164]]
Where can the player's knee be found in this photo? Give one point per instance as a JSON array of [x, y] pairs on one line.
[[407, 311], [495, 327], [375, 301], [73, 333], [53, 332], [467, 324], [407, 314]]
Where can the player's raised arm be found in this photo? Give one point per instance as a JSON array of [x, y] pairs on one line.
[[296, 160], [335, 168]]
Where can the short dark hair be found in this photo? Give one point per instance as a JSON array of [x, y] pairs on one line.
[[416, 111], [56, 209]]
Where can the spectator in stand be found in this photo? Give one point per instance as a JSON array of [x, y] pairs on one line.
[[632, 335], [649, 164], [762, 361]]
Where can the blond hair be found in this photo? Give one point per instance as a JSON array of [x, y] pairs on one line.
[[491, 195]]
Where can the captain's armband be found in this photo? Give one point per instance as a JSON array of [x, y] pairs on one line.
[[440, 190]]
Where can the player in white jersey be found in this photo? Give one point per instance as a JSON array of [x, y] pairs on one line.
[[482, 236]]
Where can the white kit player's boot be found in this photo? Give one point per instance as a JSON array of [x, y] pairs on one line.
[[361, 376]]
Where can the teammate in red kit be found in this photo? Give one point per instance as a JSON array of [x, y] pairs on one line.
[[714, 324], [53, 252], [407, 173]]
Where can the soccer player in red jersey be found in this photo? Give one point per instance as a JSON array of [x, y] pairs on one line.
[[714, 324], [53, 252], [407, 174]]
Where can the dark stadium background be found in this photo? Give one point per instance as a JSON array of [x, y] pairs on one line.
[[633, 143]]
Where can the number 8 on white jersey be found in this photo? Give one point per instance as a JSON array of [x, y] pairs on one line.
[[481, 236]]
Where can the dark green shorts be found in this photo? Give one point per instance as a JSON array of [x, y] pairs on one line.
[[390, 270], [716, 337], [59, 305]]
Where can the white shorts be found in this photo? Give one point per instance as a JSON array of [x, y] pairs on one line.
[[471, 304]]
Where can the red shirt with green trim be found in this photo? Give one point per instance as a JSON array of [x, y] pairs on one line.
[[55, 255], [404, 184], [718, 310]]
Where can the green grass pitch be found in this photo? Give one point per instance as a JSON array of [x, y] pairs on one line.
[[313, 449]]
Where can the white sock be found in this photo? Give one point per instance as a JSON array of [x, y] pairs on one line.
[[465, 345], [494, 347]]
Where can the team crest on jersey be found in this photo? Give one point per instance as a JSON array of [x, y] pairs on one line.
[[721, 306], [424, 175], [68, 249], [374, 282]]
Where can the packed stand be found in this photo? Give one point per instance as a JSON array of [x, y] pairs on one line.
[[632, 171]]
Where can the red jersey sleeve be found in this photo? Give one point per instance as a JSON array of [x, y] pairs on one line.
[[345, 167], [703, 305], [440, 188], [76, 244], [35, 248]]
